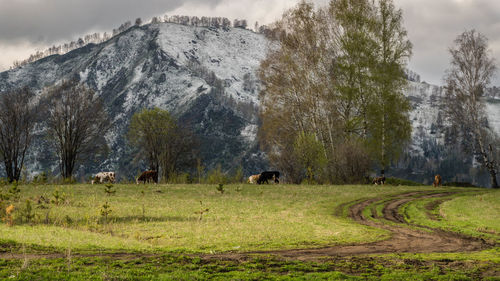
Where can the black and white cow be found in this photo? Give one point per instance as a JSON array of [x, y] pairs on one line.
[[269, 175]]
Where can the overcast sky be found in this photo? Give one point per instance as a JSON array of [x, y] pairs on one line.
[[29, 25]]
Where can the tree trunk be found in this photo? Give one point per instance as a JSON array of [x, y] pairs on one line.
[[493, 175], [487, 162]]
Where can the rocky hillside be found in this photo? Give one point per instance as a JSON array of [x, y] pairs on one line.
[[207, 78], [428, 153]]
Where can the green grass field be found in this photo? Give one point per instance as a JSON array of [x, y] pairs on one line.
[[164, 217], [475, 215], [165, 220]]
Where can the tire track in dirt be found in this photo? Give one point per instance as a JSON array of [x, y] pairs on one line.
[[405, 237]]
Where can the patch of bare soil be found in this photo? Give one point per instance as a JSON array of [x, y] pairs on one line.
[[431, 206]]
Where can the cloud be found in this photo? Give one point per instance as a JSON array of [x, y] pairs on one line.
[[433, 26], [53, 20]]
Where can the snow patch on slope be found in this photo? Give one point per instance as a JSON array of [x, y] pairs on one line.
[[230, 54], [425, 100], [493, 114]]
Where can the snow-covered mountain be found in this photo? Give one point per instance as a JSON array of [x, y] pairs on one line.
[[207, 78], [428, 153]]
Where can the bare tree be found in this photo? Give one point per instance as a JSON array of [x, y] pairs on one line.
[[77, 123], [469, 74], [17, 120]]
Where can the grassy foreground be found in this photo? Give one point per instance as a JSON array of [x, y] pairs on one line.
[[167, 228], [168, 217]]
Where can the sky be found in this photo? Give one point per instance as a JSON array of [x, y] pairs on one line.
[[30, 25]]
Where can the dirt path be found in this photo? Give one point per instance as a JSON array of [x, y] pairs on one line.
[[405, 238]]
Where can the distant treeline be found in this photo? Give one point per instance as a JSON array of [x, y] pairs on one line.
[[96, 38]]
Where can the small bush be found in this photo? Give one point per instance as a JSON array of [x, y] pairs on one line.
[[182, 178], [237, 175], [220, 188], [109, 189], [15, 191], [459, 184], [69, 180], [201, 211], [216, 176], [349, 163], [8, 217], [397, 181], [4, 181], [40, 178], [27, 214], [58, 198], [43, 204], [105, 211]]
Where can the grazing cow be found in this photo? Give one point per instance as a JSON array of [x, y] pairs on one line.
[[104, 176], [379, 180], [253, 179], [437, 181], [147, 177], [267, 175]]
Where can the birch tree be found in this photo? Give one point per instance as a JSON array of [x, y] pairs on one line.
[[336, 74], [470, 72], [389, 124]]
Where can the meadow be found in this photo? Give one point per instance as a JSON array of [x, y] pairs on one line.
[[166, 231]]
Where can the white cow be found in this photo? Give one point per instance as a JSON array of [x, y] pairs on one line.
[[104, 176]]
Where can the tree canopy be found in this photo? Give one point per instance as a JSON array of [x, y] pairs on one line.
[[166, 146], [337, 76]]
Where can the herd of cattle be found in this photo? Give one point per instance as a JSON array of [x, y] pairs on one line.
[[152, 177], [264, 177], [145, 177]]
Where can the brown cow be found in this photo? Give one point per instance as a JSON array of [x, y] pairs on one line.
[[437, 181], [147, 177], [379, 180]]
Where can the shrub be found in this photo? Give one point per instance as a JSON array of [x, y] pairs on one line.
[[105, 211], [237, 175], [349, 164], [216, 176], [459, 184], [27, 213], [220, 188], [8, 217], [179, 178], [397, 181], [109, 189], [40, 178], [201, 211], [58, 198], [15, 191]]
